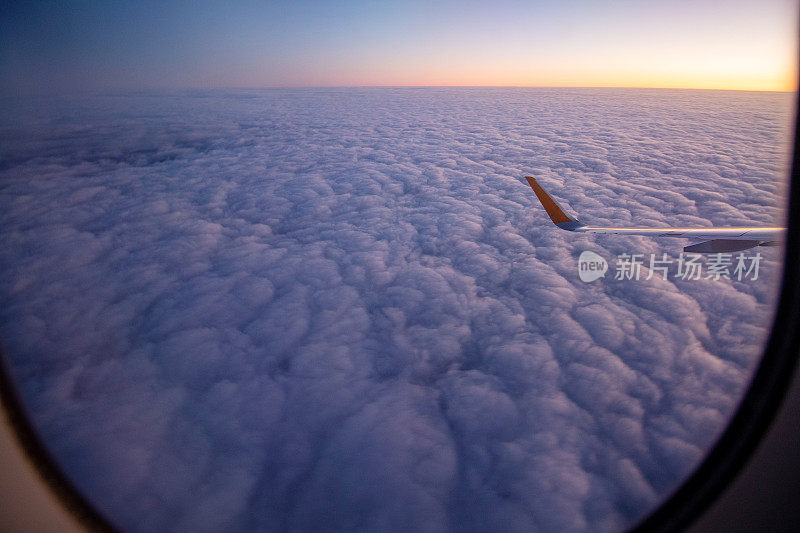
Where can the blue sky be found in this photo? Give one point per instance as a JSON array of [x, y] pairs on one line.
[[69, 46]]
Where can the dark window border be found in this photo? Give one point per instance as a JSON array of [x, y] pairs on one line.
[[38, 454]]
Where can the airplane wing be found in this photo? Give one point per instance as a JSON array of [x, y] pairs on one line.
[[714, 240]]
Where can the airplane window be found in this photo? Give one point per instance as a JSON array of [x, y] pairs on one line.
[[388, 267]]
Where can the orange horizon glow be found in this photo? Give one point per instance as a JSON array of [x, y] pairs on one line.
[[744, 69], [788, 87], [785, 84], [686, 44]]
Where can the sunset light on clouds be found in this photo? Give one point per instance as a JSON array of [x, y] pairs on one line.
[[272, 267], [117, 46]]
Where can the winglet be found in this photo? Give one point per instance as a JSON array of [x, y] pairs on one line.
[[555, 212]]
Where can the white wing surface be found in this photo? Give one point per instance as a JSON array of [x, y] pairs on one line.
[[714, 240]]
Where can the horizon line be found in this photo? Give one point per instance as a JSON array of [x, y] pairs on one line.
[[119, 90], [502, 86]]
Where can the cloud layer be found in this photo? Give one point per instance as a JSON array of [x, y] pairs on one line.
[[344, 309]]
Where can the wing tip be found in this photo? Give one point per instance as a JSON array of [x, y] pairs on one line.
[[554, 211]]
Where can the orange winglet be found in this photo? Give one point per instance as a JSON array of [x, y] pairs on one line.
[[550, 205]]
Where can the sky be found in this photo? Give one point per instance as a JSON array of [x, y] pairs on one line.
[[344, 309], [56, 47]]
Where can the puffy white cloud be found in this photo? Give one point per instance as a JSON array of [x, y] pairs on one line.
[[344, 308]]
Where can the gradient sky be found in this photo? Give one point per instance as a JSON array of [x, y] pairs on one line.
[[75, 46]]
